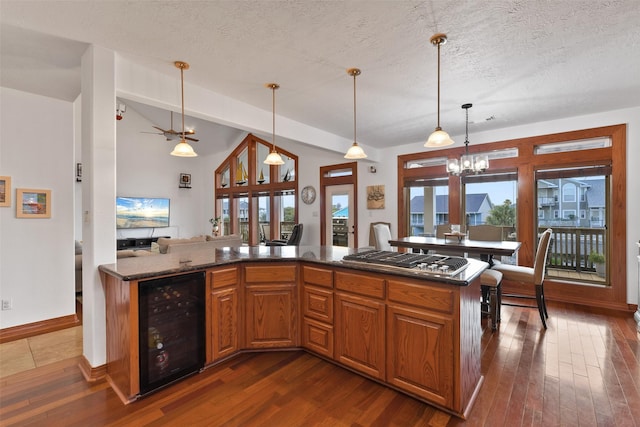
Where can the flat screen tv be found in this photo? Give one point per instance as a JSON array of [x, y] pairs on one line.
[[142, 212]]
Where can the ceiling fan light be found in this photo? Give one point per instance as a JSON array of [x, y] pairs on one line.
[[183, 149], [355, 152], [273, 159], [438, 138]]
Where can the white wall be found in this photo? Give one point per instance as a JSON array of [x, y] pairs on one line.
[[37, 255]]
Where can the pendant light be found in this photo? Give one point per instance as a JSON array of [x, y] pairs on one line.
[[355, 151], [438, 138], [182, 148], [467, 163], [273, 158]]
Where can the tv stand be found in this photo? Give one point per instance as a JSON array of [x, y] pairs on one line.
[[136, 243]]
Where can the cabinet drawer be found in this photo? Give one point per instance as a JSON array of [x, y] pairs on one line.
[[419, 295], [317, 276], [270, 273], [317, 303], [317, 337], [360, 284], [224, 277]]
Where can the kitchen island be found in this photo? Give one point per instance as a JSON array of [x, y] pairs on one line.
[[412, 330]]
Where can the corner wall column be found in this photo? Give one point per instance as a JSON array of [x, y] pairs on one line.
[[98, 193]]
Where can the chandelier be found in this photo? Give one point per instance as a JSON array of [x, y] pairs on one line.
[[467, 163]]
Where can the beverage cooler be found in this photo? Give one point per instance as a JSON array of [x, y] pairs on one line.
[[172, 321]]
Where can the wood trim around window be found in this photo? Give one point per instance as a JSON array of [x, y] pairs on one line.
[[526, 164]]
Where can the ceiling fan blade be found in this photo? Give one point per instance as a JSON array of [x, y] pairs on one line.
[[191, 139], [160, 129], [154, 133]]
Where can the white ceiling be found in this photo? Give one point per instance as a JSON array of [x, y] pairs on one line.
[[518, 62]]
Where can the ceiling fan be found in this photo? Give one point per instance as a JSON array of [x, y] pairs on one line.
[[171, 134]]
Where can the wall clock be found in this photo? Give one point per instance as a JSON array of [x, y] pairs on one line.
[[308, 194]]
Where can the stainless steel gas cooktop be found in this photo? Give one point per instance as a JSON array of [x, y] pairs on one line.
[[427, 263]]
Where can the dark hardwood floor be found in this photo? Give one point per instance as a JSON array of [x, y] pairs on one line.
[[583, 371]]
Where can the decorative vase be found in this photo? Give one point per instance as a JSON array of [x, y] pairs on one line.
[[214, 230]]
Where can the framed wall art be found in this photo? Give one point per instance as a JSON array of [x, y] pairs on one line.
[[32, 203], [5, 191], [375, 197], [185, 180]]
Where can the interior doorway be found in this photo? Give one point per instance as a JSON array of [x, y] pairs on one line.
[[338, 196]]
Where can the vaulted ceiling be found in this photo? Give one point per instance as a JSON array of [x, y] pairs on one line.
[[518, 61]]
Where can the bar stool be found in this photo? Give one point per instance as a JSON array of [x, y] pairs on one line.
[[490, 285]]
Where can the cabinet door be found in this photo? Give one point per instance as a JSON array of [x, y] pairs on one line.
[[420, 355], [225, 322], [271, 316], [317, 303], [360, 334], [317, 337]]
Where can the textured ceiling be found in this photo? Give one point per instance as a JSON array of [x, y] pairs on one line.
[[517, 61]]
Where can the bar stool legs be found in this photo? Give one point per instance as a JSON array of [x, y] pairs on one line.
[[491, 302]]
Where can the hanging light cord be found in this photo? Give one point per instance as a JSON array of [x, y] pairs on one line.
[[439, 43], [182, 94], [466, 136], [354, 107], [273, 137]]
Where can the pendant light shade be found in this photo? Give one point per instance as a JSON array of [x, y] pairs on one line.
[[438, 138], [273, 158], [182, 148], [355, 151]]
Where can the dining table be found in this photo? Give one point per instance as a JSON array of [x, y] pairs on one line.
[[486, 249]]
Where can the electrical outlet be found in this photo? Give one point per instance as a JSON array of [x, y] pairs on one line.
[[7, 304]]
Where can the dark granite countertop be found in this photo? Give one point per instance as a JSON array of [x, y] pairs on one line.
[[137, 268]]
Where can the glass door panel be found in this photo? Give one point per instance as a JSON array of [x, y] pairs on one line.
[[428, 208], [575, 205]]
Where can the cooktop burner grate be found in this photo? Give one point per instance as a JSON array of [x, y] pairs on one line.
[[437, 264]]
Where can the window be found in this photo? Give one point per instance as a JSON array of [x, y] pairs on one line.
[[564, 181], [255, 199], [569, 193]]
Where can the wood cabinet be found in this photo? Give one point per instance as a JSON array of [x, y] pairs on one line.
[[224, 313], [271, 306], [317, 310], [420, 355], [417, 335], [360, 323]]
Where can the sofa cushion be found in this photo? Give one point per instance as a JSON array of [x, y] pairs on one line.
[[164, 242]]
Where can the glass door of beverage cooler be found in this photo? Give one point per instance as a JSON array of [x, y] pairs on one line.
[[171, 319]]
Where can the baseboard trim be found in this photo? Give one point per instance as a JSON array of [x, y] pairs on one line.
[[38, 328], [90, 373]]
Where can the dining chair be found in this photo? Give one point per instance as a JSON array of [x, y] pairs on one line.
[[293, 240], [372, 233], [485, 232], [266, 232], [523, 278], [383, 235]]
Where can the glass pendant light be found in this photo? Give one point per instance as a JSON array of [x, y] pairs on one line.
[[182, 148], [355, 151], [438, 138], [467, 163], [273, 158]]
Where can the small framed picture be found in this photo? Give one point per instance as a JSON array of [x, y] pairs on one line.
[[5, 191], [33, 203], [185, 180]]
